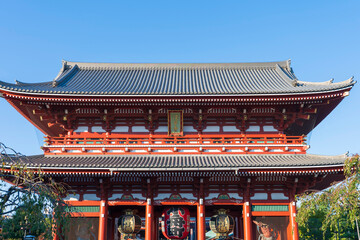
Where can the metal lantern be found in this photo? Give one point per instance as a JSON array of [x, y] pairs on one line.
[[129, 224], [175, 223], [222, 224]]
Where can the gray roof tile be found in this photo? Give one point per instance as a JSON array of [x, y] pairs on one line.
[[185, 161], [175, 79]]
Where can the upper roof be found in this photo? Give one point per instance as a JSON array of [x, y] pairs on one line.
[[145, 79]]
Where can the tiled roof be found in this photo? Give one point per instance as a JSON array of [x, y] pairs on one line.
[[77, 78], [189, 162]]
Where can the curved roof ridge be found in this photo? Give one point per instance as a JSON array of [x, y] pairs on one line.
[[284, 64], [19, 84], [344, 155], [330, 82], [63, 67], [285, 76], [66, 76]]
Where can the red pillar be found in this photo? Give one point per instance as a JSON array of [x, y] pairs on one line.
[[294, 225], [148, 219], [247, 221], [103, 215], [201, 226], [201, 231], [103, 219]]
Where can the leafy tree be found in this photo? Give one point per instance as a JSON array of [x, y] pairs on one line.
[[30, 218], [332, 213], [33, 202]]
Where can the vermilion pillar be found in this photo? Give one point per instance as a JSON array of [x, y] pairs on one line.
[[149, 213], [103, 219], [103, 216], [294, 225], [247, 221], [201, 227], [201, 220], [148, 219]]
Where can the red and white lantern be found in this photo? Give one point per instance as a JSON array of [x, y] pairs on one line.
[[175, 223]]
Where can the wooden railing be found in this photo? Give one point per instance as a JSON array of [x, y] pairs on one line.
[[130, 143]]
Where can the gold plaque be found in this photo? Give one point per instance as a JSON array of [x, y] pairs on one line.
[[175, 122]]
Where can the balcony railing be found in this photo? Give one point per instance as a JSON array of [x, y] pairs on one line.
[[94, 143]]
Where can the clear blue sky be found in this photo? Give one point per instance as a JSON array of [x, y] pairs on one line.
[[321, 38]]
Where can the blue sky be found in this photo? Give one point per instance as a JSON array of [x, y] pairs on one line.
[[321, 38]]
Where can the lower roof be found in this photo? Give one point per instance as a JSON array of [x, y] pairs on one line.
[[183, 162]]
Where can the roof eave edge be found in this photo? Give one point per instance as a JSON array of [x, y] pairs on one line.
[[174, 96], [187, 169]]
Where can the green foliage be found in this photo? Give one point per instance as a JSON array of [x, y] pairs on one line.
[[332, 213], [34, 202], [29, 218]]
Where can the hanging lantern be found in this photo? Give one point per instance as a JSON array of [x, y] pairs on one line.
[[129, 224], [175, 223], [222, 224]]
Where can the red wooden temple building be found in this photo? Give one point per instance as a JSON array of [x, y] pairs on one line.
[[195, 139]]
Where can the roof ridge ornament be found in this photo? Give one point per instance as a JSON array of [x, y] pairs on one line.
[[281, 72], [350, 80], [63, 67], [288, 63], [68, 75]]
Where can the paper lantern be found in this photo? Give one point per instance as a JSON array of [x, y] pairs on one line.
[[129, 224], [175, 223], [222, 224]]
